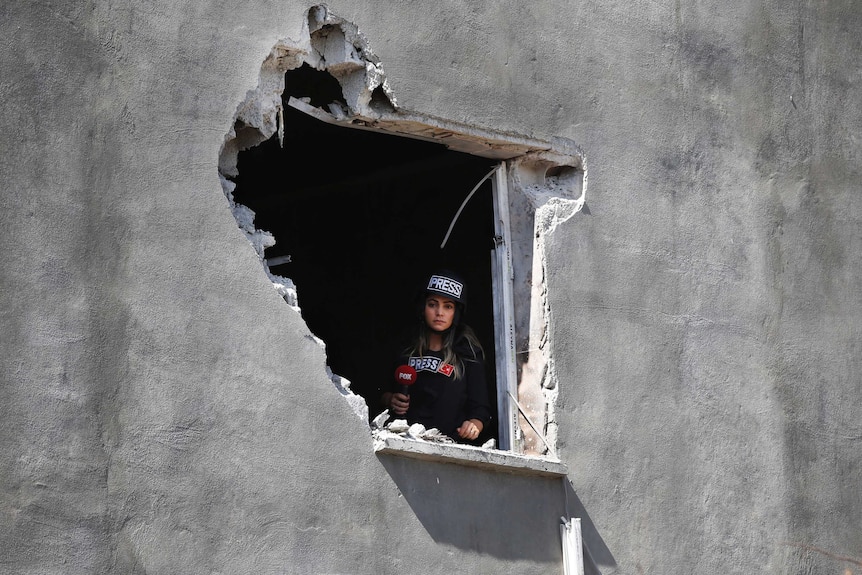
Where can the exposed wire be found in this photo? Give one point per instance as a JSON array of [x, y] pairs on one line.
[[464, 203]]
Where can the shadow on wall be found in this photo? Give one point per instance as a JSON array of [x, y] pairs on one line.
[[597, 556], [511, 517]]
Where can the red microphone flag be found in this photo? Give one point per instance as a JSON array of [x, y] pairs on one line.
[[405, 376]]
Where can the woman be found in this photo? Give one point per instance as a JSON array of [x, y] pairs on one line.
[[449, 392]]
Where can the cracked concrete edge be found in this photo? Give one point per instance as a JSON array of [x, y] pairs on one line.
[[342, 384], [551, 389], [551, 214], [355, 66], [260, 115], [320, 16], [555, 190], [546, 224]]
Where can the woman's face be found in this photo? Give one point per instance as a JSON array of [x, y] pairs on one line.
[[439, 312]]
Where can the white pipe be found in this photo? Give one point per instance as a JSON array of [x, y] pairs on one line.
[[573, 552]]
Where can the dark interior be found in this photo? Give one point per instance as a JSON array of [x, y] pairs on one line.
[[362, 215]]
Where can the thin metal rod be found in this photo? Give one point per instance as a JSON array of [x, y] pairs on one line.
[[464, 203], [539, 433]]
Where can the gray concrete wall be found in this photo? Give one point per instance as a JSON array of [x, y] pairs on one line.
[[163, 411], [707, 312]]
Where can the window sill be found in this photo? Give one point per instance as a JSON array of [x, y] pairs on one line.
[[467, 455]]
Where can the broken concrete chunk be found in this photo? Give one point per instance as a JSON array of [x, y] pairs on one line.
[[416, 430], [436, 436], [337, 110], [379, 421], [398, 426]]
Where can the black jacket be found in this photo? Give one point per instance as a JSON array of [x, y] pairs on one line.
[[439, 399]]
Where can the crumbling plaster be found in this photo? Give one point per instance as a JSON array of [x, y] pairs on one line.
[[159, 399]]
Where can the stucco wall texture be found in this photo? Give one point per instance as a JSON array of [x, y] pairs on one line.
[[163, 411]]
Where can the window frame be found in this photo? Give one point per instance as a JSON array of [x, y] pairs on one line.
[[502, 287], [502, 271]]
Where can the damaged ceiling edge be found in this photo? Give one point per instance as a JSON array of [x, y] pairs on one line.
[[533, 159], [332, 44], [473, 140]]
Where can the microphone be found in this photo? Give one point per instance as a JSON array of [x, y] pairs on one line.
[[405, 376]]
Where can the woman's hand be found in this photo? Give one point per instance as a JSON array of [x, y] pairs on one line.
[[470, 429], [398, 403]]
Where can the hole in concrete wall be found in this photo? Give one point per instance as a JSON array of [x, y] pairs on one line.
[[355, 216], [358, 217], [319, 88], [380, 101]]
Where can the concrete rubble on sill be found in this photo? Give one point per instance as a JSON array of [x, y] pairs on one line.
[[491, 459]]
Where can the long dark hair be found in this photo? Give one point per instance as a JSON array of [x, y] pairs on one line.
[[454, 351]]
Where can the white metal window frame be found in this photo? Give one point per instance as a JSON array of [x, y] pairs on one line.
[[502, 284]]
